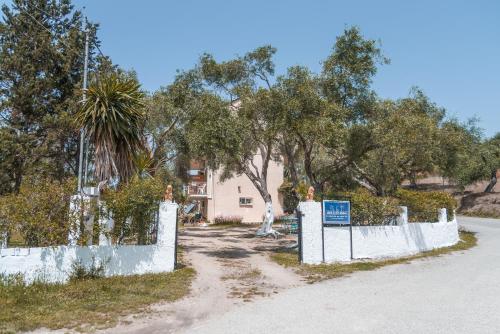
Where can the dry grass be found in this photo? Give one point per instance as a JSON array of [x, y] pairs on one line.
[[314, 273], [244, 275], [86, 305], [481, 214]]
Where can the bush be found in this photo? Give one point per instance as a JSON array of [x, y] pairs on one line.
[[228, 220], [424, 205], [134, 207], [292, 197], [368, 209], [80, 272], [39, 213]]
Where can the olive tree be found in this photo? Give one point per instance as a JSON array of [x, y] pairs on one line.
[[238, 120]]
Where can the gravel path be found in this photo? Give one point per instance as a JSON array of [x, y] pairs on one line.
[[457, 293], [233, 270]]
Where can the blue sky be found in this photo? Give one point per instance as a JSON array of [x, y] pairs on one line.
[[450, 49]]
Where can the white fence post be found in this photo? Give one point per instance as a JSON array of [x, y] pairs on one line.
[[106, 224], [74, 216], [166, 224], [403, 216], [443, 217], [312, 243], [3, 239], [74, 220]]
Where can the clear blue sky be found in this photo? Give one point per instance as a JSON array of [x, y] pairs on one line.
[[450, 49]]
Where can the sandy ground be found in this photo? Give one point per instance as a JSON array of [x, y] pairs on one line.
[[233, 269]]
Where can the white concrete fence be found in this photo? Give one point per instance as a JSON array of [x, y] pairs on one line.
[[371, 242], [55, 264]]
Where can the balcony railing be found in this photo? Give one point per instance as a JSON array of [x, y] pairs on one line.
[[197, 189]]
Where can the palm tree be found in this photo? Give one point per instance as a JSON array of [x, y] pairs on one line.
[[113, 118]]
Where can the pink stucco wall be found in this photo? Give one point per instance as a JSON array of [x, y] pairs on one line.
[[223, 197]]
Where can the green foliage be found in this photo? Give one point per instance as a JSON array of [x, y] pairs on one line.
[[41, 67], [348, 71], [289, 195], [134, 206], [367, 209], [477, 161], [403, 137], [424, 206], [113, 118], [39, 212], [292, 195], [81, 272]]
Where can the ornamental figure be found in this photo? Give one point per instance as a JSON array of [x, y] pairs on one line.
[[168, 197], [310, 194]]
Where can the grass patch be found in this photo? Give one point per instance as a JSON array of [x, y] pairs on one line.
[[86, 304], [315, 273]]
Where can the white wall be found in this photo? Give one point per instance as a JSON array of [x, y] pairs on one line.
[[371, 242], [54, 264]]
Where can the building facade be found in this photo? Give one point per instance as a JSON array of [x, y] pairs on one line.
[[236, 196]]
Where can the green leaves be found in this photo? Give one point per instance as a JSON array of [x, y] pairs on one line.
[[41, 65], [134, 206], [347, 72], [113, 118], [39, 212]]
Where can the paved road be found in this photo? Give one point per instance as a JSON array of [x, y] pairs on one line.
[[458, 293]]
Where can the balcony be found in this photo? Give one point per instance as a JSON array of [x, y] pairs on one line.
[[196, 189]]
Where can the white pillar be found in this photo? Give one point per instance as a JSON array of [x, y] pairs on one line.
[[443, 217], [403, 216], [312, 242], [3, 239], [88, 225], [167, 224], [74, 218], [106, 225]]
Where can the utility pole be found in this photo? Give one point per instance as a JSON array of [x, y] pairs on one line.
[[82, 130]]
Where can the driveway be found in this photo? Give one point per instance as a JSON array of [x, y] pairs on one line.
[[457, 293]]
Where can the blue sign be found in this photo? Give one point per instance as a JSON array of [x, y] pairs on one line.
[[336, 212]]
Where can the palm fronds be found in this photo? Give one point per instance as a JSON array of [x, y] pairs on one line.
[[113, 118]]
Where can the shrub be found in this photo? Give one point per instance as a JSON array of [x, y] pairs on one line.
[[368, 209], [292, 197], [228, 220], [424, 205], [81, 272], [134, 206], [39, 213], [290, 200]]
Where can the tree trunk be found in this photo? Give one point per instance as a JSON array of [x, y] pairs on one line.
[[493, 182], [267, 224]]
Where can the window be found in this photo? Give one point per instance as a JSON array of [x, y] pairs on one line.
[[246, 201]]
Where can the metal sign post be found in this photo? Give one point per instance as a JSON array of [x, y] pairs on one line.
[[337, 213], [299, 234]]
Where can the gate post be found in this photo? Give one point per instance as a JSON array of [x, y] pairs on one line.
[[299, 233], [176, 235], [167, 231]]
